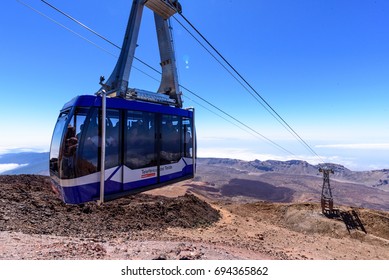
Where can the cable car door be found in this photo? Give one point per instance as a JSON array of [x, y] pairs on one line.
[[113, 150], [140, 145], [170, 154]]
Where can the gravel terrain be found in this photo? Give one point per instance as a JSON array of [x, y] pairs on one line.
[[180, 222]]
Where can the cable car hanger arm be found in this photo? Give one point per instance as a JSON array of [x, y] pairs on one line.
[[119, 79]]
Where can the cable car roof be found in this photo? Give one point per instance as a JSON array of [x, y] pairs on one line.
[[120, 103]]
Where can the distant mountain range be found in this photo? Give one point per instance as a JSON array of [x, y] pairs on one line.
[[288, 181], [374, 178], [38, 163]]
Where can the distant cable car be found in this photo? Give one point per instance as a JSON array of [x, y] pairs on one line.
[[122, 141]]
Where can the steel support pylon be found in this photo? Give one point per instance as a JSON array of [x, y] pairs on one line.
[[327, 202]]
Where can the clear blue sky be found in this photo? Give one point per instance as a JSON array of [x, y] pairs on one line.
[[322, 65]]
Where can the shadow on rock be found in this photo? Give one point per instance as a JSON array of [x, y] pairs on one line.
[[258, 190], [349, 218]]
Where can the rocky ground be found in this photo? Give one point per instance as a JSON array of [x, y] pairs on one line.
[[180, 222]]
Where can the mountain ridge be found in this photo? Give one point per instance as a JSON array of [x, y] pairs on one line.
[[37, 163], [373, 178]]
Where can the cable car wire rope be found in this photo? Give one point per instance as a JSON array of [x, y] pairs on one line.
[[149, 66], [65, 27], [89, 41], [298, 137], [220, 116], [229, 71], [238, 121]]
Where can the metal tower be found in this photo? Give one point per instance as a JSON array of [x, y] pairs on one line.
[[327, 202]]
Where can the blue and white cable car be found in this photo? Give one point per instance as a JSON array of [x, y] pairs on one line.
[[121, 140]]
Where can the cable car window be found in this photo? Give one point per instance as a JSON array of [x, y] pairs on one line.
[[113, 136], [71, 143], [170, 139], [140, 140], [187, 134], [56, 142], [89, 146], [82, 142]]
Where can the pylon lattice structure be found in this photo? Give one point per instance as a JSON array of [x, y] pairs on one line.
[[327, 201]]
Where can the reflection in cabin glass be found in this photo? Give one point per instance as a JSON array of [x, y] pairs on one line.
[[140, 144], [170, 139], [56, 143]]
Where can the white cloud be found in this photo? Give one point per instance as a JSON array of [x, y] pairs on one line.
[[10, 166], [14, 149], [357, 146]]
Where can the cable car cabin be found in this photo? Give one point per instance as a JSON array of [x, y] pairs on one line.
[[103, 148], [146, 146]]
